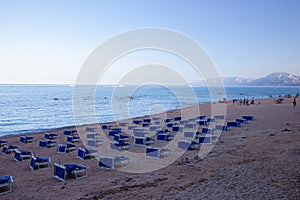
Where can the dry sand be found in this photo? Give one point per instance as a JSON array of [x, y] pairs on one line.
[[257, 161]]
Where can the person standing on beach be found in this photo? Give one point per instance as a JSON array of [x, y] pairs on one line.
[[294, 102]]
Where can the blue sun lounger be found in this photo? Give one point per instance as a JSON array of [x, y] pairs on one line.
[[26, 139], [73, 139], [90, 129], [219, 127], [119, 146], [189, 134], [157, 152], [37, 163], [70, 132], [47, 143], [94, 142], [9, 149], [241, 121], [113, 162], [207, 139], [3, 143], [206, 130], [51, 136], [248, 117], [233, 124], [22, 155], [86, 153], [188, 145], [121, 138], [165, 137], [62, 171], [143, 141], [64, 148], [5, 184], [201, 122]]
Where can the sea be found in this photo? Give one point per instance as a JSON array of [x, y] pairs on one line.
[[27, 108]]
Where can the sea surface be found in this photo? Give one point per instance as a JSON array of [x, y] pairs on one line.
[[33, 108]]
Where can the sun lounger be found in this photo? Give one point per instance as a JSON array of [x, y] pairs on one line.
[[141, 133], [189, 134], [94, 142], [26, 139], [210, 119], [189, 126], [207, 139], [164, 137], [70, 132], [188, 145], [157, 152], [5, 184], [201, 122], [9, 149], [37, 163], [113, 162], [248, 117], [3, 143], [64, 148], [93, 136], [168, 120], [47, 143], [73, 139], [62, 171], [143, 141], [121, 138], [119, 146], [86, 153], [219, 117], [206, 130], [177, 118], [241, 121], [22, 155], [136, 121], [219, 127], [233, 124], [51, 136], [90, 129], [201, 117], [177, 128]]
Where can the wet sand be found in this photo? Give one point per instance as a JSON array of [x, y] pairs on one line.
[[259, 160]]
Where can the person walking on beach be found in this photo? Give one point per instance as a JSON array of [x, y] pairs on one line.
[[294, 102]]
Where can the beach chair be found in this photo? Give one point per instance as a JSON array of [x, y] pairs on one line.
[[3, 143], [165, 137], [26, 139], [94, 142], [145, 124], [113, 162], [9, 149], [70, 132], [51, 136], [219, 127], [143, 141], [189, 134], [123, 124], [22, 155], [233, 124], [119, 146], [248, 117], [73, 139], [121, 138], [167, 120], [188, 145], [201, 117], [219, 117], [210, 119], [241, 121], [86, 153], [156, 122], [64, 148], [93, 136], [207, 139], [141, 133], [147, 120], [136, 121], [5, 184], [38, 163], [62, 171], [90, 129], [189, 126], [206, 131], [177, 128], [201, 122], [157, 152], [130, 128], [177, 118], [153, 127], [47, 143]]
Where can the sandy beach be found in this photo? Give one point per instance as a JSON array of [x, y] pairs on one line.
[[259, 160]]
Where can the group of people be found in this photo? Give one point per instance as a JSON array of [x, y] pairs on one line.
[[244, 101]]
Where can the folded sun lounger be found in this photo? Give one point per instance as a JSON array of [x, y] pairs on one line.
[[113, 162], [86, 153], [26, 139], [3, 143], [62, 171], [157, 152], [22, 155], [9, 149]]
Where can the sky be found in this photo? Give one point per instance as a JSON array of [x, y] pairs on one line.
[[48, 41]]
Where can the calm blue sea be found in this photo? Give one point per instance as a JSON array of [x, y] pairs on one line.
[[32, 108]]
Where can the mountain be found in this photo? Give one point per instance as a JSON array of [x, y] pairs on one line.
[[277, 79], [274, 79]]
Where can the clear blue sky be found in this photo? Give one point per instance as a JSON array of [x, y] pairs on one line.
[[48, 41]]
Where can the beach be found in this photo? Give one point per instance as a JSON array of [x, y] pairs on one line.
[[259, 160]]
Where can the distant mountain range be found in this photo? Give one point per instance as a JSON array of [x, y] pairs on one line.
[[274, 79]]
